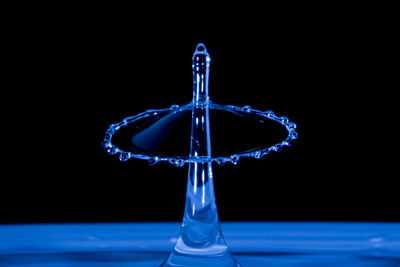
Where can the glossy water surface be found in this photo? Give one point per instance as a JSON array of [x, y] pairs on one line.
[[252, 244]]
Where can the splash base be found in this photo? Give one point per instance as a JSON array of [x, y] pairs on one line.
[[177, 259]]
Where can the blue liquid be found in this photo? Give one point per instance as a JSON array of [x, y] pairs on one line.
[[179, 161], [200, 242]]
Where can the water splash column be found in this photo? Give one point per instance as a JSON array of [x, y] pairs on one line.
[[200, 242], [200, 223]]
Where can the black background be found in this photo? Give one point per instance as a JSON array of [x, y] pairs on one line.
[[322, 70]]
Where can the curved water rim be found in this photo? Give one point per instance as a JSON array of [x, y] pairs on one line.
[[179, 161]]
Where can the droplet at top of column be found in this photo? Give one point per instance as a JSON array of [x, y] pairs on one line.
[[200, 65]]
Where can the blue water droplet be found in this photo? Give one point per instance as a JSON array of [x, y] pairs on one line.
[[293, 134], [286, 142], [234, 159], [106, 144], [110, 130], [246, 108], [112, 150], [124, 156], [269, 113], [256, 154], [174, 106], [115, 126], [221, 161], [283, 119], [108, 136], [292, 125], [153, 161], [277, 148], [177, 162]]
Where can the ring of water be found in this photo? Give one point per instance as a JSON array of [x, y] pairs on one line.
[[180, 161]]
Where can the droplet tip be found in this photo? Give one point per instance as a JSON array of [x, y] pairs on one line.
[[201, 50]]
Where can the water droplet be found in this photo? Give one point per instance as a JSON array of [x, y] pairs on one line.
[[283, 119], [110, 130], [108, 136], [153, 161], [177, 162], [124, 156], [292, 125], [234, 159], [112, 150], [293, 134], [221, 161], [200, 47], [246, 108], [285, 143], [106, 144], [174, 106], [115, 126], [256, 154], [269, 113]]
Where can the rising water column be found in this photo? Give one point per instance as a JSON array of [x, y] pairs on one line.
[[200, 242]]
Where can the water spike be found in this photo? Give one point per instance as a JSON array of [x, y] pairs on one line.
[[200, 50], [200, 228], [200, 64]]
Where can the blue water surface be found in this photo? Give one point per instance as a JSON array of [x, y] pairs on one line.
[[252, 244]]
